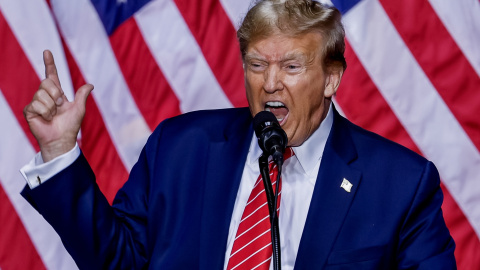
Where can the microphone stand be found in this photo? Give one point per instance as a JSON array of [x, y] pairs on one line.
[[272, 208]]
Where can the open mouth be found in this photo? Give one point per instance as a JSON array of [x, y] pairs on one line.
[[278, 109]]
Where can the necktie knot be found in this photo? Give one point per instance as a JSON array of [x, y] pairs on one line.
[[288, 153]]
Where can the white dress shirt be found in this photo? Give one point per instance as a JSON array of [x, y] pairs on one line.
[[299, 174], [36, 172]]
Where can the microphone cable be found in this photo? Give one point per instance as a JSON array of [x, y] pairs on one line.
[[272, 200]]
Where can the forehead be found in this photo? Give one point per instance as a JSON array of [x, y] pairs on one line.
[[280, 47]]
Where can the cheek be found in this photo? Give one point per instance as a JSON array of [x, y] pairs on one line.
[[249, 85], [307, 105], [253, 84], [294, 80], [310, 97], [251, 79], [305, 98], [253, 94]]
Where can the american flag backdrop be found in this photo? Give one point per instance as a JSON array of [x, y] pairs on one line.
[[413, 76]]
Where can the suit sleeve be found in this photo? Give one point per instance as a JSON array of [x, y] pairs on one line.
[[97, 235], [425, 242]]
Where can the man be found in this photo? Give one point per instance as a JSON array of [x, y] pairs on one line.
[[350, 199]]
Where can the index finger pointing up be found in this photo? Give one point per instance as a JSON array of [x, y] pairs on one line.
[[50, 68]]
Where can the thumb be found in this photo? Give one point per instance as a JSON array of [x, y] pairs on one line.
[[82, 94]]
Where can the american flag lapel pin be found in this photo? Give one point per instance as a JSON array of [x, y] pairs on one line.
[[346, 185]]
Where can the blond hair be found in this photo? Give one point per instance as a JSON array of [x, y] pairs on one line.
[[293, 18]]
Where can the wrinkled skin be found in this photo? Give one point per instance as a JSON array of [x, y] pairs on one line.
[[289, 70]]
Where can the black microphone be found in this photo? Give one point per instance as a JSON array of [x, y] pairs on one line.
[[272, 140], [271, 137]]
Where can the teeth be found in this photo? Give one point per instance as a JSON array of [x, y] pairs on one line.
[[275, 104]]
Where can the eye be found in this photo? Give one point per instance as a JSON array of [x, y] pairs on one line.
[[292, 67], [256, 66]]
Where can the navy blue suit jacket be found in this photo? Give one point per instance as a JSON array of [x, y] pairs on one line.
[[174, 211]]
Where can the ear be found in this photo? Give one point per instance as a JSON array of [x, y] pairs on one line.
[[332, 81]]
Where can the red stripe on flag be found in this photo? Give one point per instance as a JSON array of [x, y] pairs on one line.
[[216, 37], [467, 251], [366, 107], [18, 80], [442, 60], [96, 144], [150, 90], [16, 248]]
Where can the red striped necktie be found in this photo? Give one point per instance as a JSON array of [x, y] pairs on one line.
[[252, 248]]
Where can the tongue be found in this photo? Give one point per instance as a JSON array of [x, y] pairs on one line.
[[279, 112]]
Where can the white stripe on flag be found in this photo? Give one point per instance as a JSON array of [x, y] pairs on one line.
[[417, 105], [462, 20], [236, 10], [87, 39], [178, 55], [16, 149], [42, 34]]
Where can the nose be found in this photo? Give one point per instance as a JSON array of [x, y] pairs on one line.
[[272, 79]]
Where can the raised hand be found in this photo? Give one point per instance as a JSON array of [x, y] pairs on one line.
[[53, 120]]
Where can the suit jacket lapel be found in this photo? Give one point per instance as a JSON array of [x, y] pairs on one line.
[[223, 174], [330, 202]]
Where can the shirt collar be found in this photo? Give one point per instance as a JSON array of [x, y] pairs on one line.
[[254, 152], [310, 152]]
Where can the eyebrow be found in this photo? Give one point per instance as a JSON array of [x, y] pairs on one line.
[[289, 56], [294, 56], [254, 55]]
